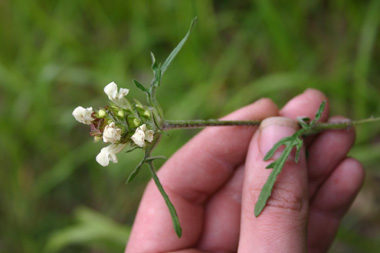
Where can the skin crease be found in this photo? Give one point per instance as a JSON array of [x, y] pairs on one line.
[[215, 179]]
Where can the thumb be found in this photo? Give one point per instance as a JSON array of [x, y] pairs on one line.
[[282, 225]]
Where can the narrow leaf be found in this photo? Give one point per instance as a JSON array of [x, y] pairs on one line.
[[319, 113], [173, 213], [140, 86], [154, 64], [303, 122], [152, 158], [132, 149], [266, 191], [299, 143], [178, 47], [271, 152], [135, 171]]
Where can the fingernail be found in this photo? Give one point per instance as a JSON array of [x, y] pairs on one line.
[[274, 129]]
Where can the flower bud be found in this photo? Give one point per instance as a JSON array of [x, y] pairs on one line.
[[97, 138], [146, 114], [120, 113], [101, 113], [136, 122]]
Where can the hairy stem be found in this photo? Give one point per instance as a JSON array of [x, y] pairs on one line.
[[181, 124]]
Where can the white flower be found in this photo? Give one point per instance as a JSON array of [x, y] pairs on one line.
[[113, 94], [141, 135], [111, 133], [83, 115], [108, 154]]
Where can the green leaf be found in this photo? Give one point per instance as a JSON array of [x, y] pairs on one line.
[[178, 47], [290, 142], [173, 213], [271, 152], [154, 64], [318, 114], [152, 158], [299, 143], [132, 149], [136, 171], [266, 191], [304, 122], [140, 86]]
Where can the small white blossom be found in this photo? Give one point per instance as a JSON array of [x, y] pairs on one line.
[[111, 133], [108, 154], [118, 97], [83, 115], [141, 135]]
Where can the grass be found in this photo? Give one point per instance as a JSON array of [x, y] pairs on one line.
[[56, 55]]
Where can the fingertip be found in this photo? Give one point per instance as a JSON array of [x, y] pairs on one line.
[[332, 201], [267, 105], [315, 92], [340, 189], [267, 102], [306, 104], [259, 110], [353, 173]]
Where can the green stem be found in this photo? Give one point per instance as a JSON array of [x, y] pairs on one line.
[[181, 124]]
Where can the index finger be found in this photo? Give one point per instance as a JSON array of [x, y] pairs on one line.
[[194, 173]]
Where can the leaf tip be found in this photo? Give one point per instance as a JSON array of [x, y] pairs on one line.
[[258, 209], [178, 231]]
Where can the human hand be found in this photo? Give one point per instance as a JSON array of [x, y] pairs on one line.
[[215, 179]]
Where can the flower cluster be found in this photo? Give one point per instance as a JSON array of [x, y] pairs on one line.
[[120, 124]]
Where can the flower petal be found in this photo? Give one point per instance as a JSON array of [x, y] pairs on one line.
[[83, 115], [111, 90], [149, 135], [108, 154], [138, 137], [122, 93], [102, 157]]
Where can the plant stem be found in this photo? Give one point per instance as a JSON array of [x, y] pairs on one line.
[[181, 124]]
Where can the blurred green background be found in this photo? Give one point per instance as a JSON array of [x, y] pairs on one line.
[[56, 55]]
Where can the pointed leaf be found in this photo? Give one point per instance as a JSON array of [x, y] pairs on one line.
[[319, 113], [135, 171], [266, 191], [178, 47], [132, 149], [154, 64], [271, 165], [303, 122], [140, 86], [152, 158], [271, 152], [299, 143], [173, 212]]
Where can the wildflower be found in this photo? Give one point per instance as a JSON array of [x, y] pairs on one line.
[[108, 154], [117, 97], [83, 115], [111, 133], [141, 135]]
